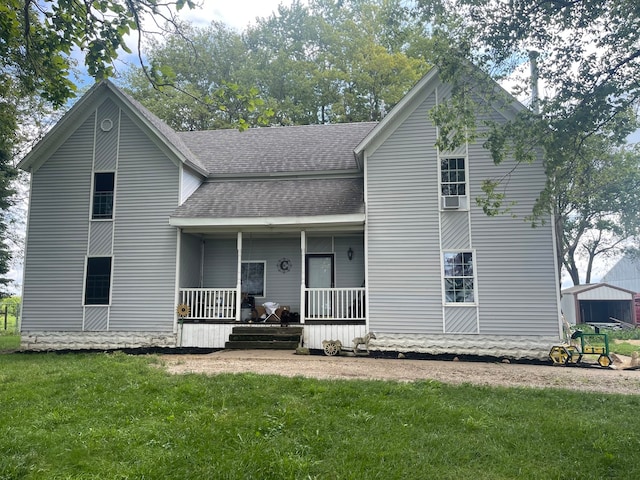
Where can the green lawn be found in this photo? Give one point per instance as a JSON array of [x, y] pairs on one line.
[[113, 416]]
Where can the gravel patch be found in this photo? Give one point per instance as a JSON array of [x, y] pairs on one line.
[[584, 378]]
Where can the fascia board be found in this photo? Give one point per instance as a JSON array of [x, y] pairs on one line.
[[350, 219]]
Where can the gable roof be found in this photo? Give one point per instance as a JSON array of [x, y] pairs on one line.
[[87, 104], [411, 101], [303, 148], [593, 286]]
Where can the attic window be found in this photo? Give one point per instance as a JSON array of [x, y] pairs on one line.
[[103, 185]]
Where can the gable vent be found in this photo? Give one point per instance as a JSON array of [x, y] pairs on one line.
[[450, 201]]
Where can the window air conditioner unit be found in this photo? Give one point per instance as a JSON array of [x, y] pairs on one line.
[[450, 201]]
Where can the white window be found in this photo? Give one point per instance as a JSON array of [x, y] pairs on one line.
[[252, 275], [452, 177], [459, 277]]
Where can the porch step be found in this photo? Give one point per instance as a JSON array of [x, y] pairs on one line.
[[269, 345], [259, 337]]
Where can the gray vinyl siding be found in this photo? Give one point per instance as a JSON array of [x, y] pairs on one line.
[[220, 263], [107, 141], [455, 230], [57, 236], [405, 291], [96, 319], [100, 238], [460, 319], [515, 273], [319, 244], [144, 265], [190, 261], [349, 273]]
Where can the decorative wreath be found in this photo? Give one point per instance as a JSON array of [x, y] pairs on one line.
[[183, 310], [284, 265]]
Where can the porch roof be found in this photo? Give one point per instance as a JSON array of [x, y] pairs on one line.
[[281, 201]]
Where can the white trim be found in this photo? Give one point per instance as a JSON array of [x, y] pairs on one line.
[[177, 278], [354, 219], [180, 169], [465, 202], [303, 275], [239, 245], [441, 260], [365, 166], [557, 276], [24, 263], [443, 252]]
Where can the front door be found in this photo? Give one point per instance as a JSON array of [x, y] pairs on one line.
[[320, 274]]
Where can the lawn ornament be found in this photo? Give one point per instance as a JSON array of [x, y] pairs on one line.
[[335, 347], [590, 344]]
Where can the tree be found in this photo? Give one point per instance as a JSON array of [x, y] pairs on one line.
[[327, 62], [200, 80], [598, 205], [588, 63], [37, 39]]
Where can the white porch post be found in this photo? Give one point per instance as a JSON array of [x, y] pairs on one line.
[[239, 278], [303, 275]]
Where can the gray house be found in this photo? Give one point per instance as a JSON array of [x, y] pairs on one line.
[[356, 227]]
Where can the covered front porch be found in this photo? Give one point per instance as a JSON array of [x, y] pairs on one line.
[[226, 279]]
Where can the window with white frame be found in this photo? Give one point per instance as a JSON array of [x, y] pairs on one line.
[[459, 277], [252, 275], [98, 281], [452, 177], [103, 186]]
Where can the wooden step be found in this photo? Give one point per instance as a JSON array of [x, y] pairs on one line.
[[248, 337], [268, 330], [261, 337], [261, 345]]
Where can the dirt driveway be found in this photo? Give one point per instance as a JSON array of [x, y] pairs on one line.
[[591, 379]]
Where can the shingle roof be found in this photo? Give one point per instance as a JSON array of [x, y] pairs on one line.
[[275, 198], [278, 149]]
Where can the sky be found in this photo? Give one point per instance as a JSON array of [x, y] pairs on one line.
[[237, 14]]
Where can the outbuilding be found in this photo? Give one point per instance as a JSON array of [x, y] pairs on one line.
[[598, 303]]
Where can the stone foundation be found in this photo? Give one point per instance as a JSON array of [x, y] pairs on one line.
[[44, 341], [514, 347]]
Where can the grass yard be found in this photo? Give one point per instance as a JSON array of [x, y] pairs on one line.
[[113, 416]]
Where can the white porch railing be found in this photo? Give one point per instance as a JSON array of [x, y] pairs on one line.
[[335, 304], [209, 303]]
